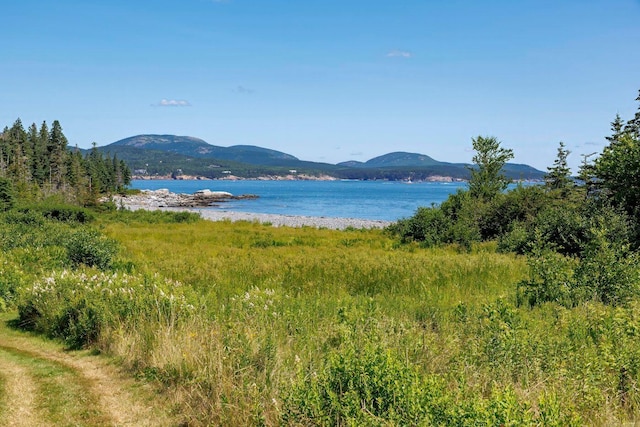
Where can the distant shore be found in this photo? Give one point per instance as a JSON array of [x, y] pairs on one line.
[[161, 200], [290, 177]]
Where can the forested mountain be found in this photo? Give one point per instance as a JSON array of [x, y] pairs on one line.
[[37, 161], [195, 147], [170, 154], [395, 159]]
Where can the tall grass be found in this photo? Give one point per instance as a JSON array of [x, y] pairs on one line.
[[307, 326]]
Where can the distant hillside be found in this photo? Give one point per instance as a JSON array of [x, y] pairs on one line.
[[195, 147], [400, 159], [171, 154]]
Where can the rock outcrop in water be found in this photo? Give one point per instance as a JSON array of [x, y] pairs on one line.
[[164, 198]]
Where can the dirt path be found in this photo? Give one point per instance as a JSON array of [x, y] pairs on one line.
[[44, 385], [19, 391]]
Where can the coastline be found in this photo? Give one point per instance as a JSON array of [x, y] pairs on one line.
[[157, 200]]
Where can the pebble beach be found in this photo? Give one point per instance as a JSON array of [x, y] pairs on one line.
[[163, 200]]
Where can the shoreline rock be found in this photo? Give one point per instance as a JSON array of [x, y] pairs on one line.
[[164, 200]]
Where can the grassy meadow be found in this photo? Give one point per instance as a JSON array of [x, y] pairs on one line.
[[248, 324]]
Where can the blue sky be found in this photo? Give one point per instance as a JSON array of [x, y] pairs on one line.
[[327, 80]]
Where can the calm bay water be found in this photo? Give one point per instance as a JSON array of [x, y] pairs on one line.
[[378, 200]]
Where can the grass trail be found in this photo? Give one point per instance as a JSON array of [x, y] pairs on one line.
[[18, 392], [42, 384]]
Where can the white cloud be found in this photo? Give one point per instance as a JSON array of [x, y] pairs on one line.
[[174, 103], [397, 53], [244, 90]]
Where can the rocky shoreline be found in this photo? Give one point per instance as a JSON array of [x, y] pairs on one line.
[[164, 198], [203, 201]]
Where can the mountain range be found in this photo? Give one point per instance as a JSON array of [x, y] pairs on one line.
[[184, 155]]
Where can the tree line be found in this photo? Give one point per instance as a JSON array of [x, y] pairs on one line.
[[37, 162]]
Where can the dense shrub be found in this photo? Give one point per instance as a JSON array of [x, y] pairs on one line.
[[78, 306], [375, 387], [27, 217], [550, 279], [12, 278], [154, 217], [607, 272], [517, 206], [64, 213], [89, 247], [363, 386], [463, 220], [560, 228], [428, 225]]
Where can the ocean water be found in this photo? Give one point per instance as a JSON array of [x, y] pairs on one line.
[[379, 200]]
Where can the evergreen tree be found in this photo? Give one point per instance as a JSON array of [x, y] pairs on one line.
[[39, 160], [6, 194], [126, 173], [17, 153], [633, 126], [4, 148], [57, 149], [38, 140], [617, 129], [559, 175]]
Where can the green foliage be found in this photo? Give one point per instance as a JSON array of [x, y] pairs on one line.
[[464, 220], [368, 385], [606, 271], [567, 228], [618, 171], [61, 212], [559, 175], [551, 279], [427, 225], [154, 217], [517, 206], [561, 228], [38, 161], [12, 278], [362, 386], [78, 306], [487, 179], [7, 198], [91, 248]]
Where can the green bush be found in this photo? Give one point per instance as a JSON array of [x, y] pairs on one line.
[[63, 213], [27, 217], [505, 211], [89, 247], [12, 278], [78, 306], [550, 279], [360, 386], [154, 217], [375, 387], [608, 272], [427, 225]]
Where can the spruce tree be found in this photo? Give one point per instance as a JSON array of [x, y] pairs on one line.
[[559, 175], [57, 149]]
